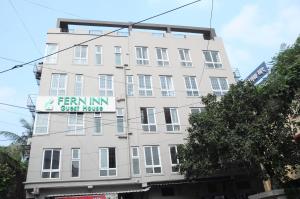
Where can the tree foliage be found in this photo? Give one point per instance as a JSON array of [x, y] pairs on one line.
[[13, 165], [250, 127]]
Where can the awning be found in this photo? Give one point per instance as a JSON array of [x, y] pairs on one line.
[[97, 195]]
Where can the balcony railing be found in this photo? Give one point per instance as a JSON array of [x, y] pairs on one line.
[[37, 70]]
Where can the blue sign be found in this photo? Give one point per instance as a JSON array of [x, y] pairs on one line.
[[258, 73]]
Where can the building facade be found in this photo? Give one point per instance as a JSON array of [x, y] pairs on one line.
[[111, 111]]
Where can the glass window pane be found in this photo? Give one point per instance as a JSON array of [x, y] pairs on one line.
[[134, 151], [148, 156], [55, 175], [97, 124], [120, 124], [45, 174], [173, 155], [207, 56], [214, 83], [55, 160], [167, 115], [104, 157], [157, 169], [136, 166], [151, 115], [112, 158], [155, 155], [215, 56], [47, 159], [75, 168], [223, 83], [75, 153], [144, 117], [103, 173]]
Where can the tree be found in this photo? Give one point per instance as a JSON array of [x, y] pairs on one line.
[[250, 126], [13, 165]]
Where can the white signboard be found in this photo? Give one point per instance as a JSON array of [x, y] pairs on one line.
[[75, 104]]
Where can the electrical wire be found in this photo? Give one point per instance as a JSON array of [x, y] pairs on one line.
[[26, 29], [89, 40], [50, 8]]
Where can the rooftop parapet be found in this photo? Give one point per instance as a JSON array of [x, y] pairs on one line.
[[208, 33]]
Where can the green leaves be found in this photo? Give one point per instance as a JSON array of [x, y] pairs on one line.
[[249, 127]]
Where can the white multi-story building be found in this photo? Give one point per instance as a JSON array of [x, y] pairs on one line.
[[111, 111]]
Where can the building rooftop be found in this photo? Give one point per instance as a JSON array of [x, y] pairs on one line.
[[208, 33]]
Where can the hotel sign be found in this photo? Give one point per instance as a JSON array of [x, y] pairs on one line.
[[75, 104]]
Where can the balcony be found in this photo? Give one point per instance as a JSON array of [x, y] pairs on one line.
[[37, 70]]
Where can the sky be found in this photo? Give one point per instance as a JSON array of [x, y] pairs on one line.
[[252, 32]]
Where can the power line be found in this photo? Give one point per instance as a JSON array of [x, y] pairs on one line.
[[86, 41], [25, 28], [50, 8]]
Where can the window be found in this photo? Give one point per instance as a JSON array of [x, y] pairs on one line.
[[166, 85], [152, 159], [212, 59], [148, 119], [145, 85], [98, 123], [51, 163], [58, 85], [75, 162], [135, 157], [120, 120], [41, 123], [75, 123], [107, 162], [129, 85], [172, 121], [51, 48], [98, 55], [142, 55], [191, 86], [174, 159], [219, 85], [185, 59], [80, 55], [106, 85], [162, 57], [78, 85], [195, 110], [118, 58]]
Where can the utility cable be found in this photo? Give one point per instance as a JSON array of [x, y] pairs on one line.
[[26, 29], [86, 41]]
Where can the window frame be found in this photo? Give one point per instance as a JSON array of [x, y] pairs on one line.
[[145, 89], [98, 115], [77, 127], [79, 60], [170, 91], [214, 63], [35, 123], [152, 166], [177, 160], [184, 62], [106, 90], [191, 90], [52, 57], [81, 84], [58, 89], [107, 159], [148, 125], [99, 53], [118, 54], [165, 62], [51, 170], [201, 109], [135, 157], [120, 116], [172, 124], [129, 84], [220, 90], [142, 59], [75, 159]]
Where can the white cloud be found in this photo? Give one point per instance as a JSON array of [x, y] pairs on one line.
[[6, 93], [252, 26]]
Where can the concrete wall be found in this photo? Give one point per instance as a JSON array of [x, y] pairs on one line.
[[89, 143]]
